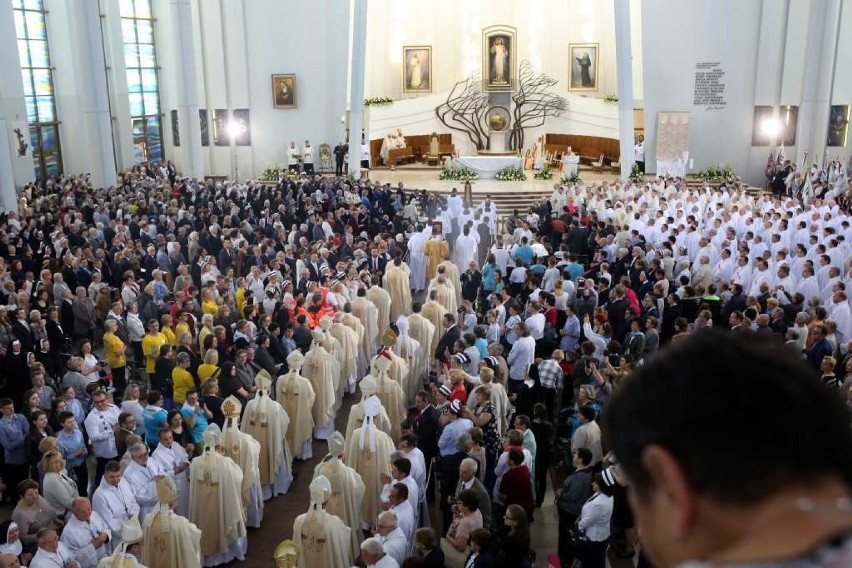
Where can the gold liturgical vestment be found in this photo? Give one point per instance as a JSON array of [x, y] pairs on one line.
[[436, 252]]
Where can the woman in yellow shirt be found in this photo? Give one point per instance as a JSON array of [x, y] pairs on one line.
[[208, 304], [166, 329], [210, 365], [182, 379], [116, 360], [182, 325]]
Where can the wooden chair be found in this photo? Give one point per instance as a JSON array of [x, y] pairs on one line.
[[615, 165], [598, 166]]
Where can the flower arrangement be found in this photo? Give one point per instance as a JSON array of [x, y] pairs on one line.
[[720, 173], [511, 173], [271, 173], [378, 101], [461, 174], [611, 99], [636, 174], [544, 173], [573, 179]]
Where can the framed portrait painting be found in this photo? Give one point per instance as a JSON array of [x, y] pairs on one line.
[[417, 69], [838, 125], [284, 91], [498, 58], [583, 66], [759, 134]]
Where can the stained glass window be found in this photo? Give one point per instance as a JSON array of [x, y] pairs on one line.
[[140, 59], [37, 75]]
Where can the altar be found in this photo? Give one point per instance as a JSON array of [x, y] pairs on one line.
[[488, 166]]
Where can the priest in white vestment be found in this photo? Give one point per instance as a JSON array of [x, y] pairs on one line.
[[319, 368], [446, 294], [114, 501], [412, 352], [349, 347], [417, 260], [267, 422], [125, 555], [169, 458], [170, 540], [141, 480], [335, 349], [368, 387], [466, 247], [216, 505], [244, 450], [397, 283], [368, 452], [389, 390], [382, 300], [296, 395], [347, 489], [323, 537], [86, 535], [367, 313], [51, 553]]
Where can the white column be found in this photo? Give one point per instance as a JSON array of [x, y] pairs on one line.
[[624, 74], [14, 171], [358, 57], [186, 88], [94, 95], [820, 56]]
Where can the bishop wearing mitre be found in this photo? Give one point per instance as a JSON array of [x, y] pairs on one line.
[[368, 452], [445, 290], [396, 282], [348, 340], [436, 250], [323, 537], [335, 349], [353, 323], [434, 312], [423, 331], [347, 489], [244, 450], [267, 422], [296, 395], [414, 355], [215, 503], [320, 368], [452, 272], [368, 387], [125, 554], [170, 540]]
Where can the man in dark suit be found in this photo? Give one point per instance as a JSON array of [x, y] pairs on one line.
[[21, 330], [425, 426], [377, 262], [616, 310], [226, 256], [469, 480], [302, 335], [448, 339]]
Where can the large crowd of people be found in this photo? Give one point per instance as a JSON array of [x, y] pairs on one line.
[[171, 347]]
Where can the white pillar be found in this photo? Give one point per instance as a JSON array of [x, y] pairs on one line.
[[187, 89], [624, 74], [14, 171], [358, 57], [94, 95], [818, 82]]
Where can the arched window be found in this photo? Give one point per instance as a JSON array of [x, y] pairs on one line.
[[140, 60], [34, 54]]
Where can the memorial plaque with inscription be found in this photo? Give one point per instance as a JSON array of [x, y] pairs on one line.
[[709, 90]]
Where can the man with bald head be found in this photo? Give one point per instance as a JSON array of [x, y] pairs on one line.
[[9, 560], [86, 535], [469, 480]]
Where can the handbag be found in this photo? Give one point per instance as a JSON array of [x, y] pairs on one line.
[[577, 539]]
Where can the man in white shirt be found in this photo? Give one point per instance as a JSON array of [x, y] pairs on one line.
[[113, 500], [101, 425], [399, 504], [51, 553], [141, 480], [521, 356], [374, 555], [294, 157], [409, 449], [86, 535], [535, 322], [391, 537], [169, 458]]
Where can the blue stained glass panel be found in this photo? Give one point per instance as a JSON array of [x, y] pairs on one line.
[[128, 30], [32, 115], [45, 109], [23, 53], [155, 144], [145, 31], [20, 32], [131, 55], [51, 164], [149, 80], [38, 53], [35, 25], [152, 103], [134, 82], [48, 140], [43, 85], [136, 104], [146, 55]]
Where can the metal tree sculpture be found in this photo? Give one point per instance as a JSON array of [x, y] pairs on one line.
[[533, 103], [465, 110]]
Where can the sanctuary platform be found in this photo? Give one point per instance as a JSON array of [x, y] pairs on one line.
[[488, 166]]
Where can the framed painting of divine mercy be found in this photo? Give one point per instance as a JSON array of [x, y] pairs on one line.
[[417, 69], [499, 50]]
